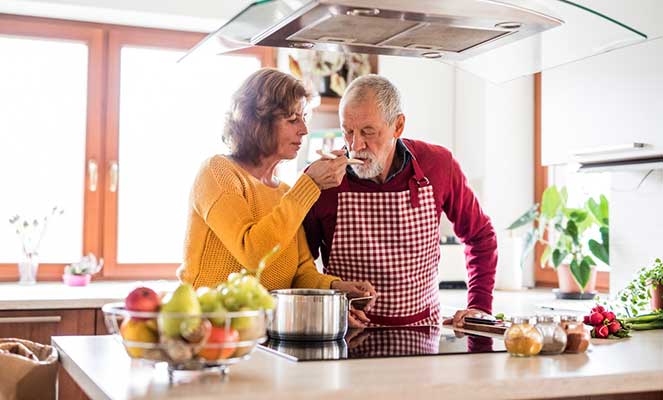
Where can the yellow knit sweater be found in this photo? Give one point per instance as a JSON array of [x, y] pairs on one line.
[[234, 220]]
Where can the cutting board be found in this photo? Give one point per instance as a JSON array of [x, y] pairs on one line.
[[497, 329]]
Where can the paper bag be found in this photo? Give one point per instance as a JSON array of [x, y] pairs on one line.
[[28, 370]]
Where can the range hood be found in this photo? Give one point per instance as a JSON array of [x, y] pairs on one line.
[[626, 157], [497, 40]]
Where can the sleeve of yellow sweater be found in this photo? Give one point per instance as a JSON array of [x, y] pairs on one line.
[[307, 275], [218, 190]]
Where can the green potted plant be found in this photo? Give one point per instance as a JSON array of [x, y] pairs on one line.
[[645, 288], [80, 273], [565, 232]]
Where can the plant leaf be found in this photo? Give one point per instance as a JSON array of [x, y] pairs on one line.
[[605, 236], [529, 216], [530, 240], [603, 205], [564, 195], [550, 202], [577, 215], [599, 251], [590, 261], [558, 257], [572, 230], [581, 273]]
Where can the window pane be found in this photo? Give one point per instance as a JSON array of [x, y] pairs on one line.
[[43, 93], [171, 119]]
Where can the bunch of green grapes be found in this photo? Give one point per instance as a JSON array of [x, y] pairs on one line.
[[244, 292]]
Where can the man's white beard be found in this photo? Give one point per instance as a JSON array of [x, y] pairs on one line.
[[367, 171]]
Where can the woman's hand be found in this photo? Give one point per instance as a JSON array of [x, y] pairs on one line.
[[458, 320], [328, 173], [357, 319]]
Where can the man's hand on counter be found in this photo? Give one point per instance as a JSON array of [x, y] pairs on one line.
[[458, 319]]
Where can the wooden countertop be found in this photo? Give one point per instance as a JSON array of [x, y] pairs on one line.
[[102, 368]]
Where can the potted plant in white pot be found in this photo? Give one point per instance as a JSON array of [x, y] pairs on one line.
[[566, 234]]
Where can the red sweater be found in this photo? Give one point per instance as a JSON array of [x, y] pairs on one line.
[[453, 196]]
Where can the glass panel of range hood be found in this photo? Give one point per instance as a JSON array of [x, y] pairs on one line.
[[588, 28]]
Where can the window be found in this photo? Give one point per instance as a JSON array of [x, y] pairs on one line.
[[101, 121]]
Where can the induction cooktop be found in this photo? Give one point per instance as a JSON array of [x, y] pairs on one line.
[[387, 342]]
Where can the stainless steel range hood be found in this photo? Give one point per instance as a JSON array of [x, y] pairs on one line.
[[498, 40]]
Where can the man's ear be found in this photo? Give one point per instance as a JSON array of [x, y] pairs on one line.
[[399, 125]]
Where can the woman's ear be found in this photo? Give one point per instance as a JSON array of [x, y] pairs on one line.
[[399, 125]]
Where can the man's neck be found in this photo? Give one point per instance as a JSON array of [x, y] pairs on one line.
[[394, 161]]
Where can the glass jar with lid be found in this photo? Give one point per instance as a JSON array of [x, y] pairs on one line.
[[577, 336], [554, 336], [522, 339]]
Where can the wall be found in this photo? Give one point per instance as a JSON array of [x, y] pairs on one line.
[[494, 144], [428, 93], [615, 98]]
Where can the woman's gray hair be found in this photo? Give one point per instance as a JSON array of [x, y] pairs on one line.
[[387, 96]]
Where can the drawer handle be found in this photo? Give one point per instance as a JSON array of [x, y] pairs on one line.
[[30, 320]]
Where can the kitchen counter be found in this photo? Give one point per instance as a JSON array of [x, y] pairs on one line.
[[101, 367], [55, 295]]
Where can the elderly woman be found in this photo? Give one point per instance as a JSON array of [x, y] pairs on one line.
[[239, 210]]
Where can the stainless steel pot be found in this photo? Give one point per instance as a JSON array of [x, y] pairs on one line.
[[325, 350], [310, 314]]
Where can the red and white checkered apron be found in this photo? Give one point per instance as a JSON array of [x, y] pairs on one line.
[[391, 239], [395, 341]]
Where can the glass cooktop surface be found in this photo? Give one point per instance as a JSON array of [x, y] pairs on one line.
[[387, 342]]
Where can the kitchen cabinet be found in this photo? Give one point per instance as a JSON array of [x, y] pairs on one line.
[[608, 100], [39, 325]]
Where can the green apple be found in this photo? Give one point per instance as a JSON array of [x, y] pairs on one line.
[[182, 301]]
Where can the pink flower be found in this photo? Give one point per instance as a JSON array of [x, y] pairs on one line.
[[609, 315], [601, 331], [596, 318], [614, 326]]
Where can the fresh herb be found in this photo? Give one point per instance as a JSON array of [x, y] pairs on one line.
[[637, 294]]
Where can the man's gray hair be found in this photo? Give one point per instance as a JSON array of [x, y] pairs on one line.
[[387, 96]]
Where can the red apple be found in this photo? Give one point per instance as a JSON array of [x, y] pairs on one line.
[[220, 335], [142, 299]]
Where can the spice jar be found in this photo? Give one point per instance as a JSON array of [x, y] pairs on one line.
[[522, 339], [554, 336], [577, 337]]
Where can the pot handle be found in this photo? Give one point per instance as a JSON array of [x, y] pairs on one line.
[[358, 298]]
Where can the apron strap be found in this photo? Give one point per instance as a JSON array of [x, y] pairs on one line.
[[418, 180]]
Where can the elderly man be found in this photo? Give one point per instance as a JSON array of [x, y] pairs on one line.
[[381, 224]]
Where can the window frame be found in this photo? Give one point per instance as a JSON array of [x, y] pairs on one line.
[[104, 43]]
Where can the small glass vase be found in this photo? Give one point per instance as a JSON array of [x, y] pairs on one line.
[[27, 269]]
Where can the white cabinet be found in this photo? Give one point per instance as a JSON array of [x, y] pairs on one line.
[[612, 99]]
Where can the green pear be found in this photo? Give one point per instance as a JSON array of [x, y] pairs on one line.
[[210, 302], [182, 301]]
